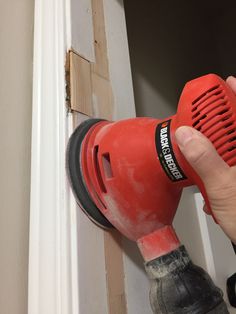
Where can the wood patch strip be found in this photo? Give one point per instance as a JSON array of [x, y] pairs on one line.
[[103, 102], [80, 88], [100, 44], [115, 272], [102, 97]]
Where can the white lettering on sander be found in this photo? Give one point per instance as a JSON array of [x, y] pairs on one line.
[[165, 147]]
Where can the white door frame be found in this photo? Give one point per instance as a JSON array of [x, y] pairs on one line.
[[52, 239]]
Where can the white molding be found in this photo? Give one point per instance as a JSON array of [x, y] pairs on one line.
[[205, 236], [53, 275]]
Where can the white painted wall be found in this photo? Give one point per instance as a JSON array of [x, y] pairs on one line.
[[16, 39]]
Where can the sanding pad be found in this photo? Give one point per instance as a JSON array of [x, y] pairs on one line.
[[75, 175]]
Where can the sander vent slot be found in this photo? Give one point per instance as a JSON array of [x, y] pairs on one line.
[[231, 148], [214, 90], [98, 170], [213, 116], [106, 161]]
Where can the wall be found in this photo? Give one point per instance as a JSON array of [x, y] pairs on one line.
[[16, 39], [172, 42]]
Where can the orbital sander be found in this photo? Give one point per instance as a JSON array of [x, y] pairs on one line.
[[130, 174]]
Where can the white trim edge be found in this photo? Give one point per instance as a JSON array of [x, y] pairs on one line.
[[53, 275], [206, 242]]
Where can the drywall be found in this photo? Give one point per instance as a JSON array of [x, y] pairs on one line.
[[16, 39]]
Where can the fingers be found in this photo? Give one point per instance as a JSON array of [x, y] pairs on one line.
[[201, 155], [231, 81], [218, 178]]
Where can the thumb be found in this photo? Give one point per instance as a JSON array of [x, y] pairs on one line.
[[201, 155]]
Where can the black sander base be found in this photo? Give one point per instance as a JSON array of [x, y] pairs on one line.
[[75, 175]]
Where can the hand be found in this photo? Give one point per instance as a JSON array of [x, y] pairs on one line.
[[219, 179]]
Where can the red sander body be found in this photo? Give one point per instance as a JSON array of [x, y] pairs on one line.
[[130, 174]]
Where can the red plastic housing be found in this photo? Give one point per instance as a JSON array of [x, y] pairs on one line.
[[136, 182]]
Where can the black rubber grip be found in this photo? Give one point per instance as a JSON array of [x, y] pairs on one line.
[[180, 287], [231, 289]]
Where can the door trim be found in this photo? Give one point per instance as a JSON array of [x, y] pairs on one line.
[[52, 277]]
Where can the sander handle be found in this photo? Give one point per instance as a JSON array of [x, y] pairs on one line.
[[180, 287]]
